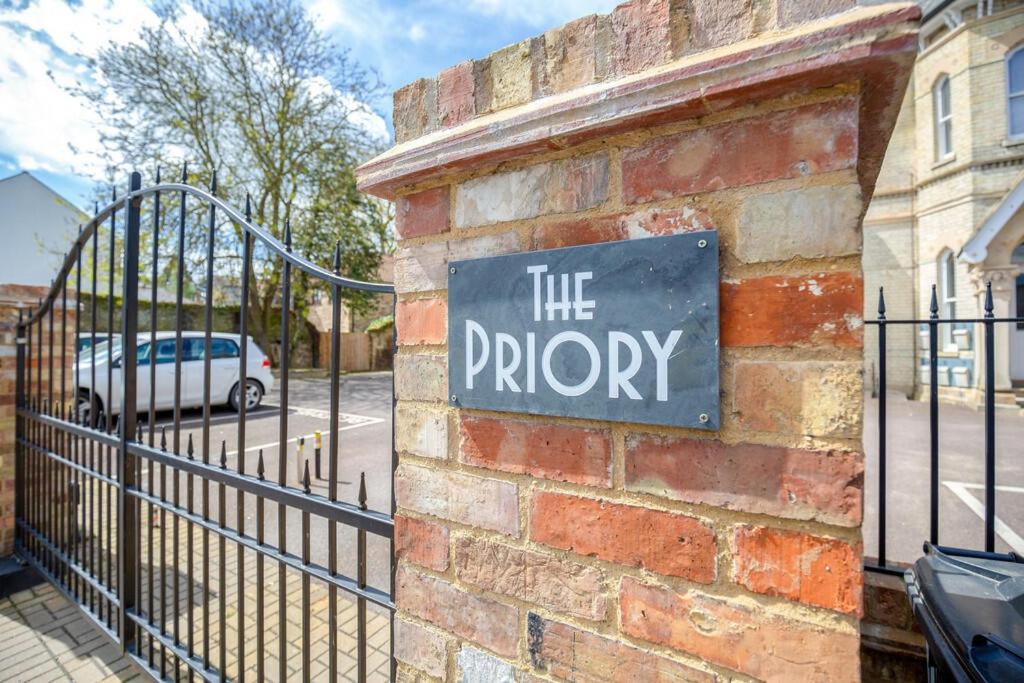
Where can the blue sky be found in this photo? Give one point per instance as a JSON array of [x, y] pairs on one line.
[[45, 44]]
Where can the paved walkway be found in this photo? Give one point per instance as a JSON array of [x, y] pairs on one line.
[[43, 637]]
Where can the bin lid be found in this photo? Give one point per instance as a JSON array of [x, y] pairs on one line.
[[976, 601]]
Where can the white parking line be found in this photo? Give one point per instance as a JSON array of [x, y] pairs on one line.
[[960, 489], [348, 420]]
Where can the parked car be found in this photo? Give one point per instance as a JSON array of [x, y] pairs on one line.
[[224, 382], [86, 338]]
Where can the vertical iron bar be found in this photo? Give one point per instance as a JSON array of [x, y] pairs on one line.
[[394, 504], [20, 341], [179, 314], [990, 423], [361, 580], [207, 352], [881, 427], [108, 421], [260, 674], [63, 483], [49, 464], [222, 565], [94, 403], [332, 468], [305, 581], [151, 417], [282, 458], [127, 511], [243, 374], [77, 442], [933, 414]]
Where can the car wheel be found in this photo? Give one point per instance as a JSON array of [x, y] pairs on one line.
[[253, 396]]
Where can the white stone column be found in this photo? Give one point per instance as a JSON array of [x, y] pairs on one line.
[[1003, 280]]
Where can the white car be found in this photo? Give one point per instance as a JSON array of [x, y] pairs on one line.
[[224, 384]]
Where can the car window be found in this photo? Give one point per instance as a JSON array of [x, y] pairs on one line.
[[223, 348], [219, 348], [143, 351], [165, 351]]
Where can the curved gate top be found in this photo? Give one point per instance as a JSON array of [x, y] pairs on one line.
[[200, 554]]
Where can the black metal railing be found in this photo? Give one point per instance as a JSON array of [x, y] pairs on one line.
[[106, 507], [988, 322]]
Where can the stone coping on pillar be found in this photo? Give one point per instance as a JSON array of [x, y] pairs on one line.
[[868, 46]]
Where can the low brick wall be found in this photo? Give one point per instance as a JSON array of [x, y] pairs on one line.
[[536, 548]]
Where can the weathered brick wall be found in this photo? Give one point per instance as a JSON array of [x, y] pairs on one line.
[[12, 299], [537, 548]]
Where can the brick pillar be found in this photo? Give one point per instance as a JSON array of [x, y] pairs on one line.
[[12, 299], [562, 548]]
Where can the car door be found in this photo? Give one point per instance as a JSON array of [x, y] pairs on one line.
[[223, 368], [165, 374], [192, 372]]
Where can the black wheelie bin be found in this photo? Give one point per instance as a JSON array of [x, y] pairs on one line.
[[970, 607]]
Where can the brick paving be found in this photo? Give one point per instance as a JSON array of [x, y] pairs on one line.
[[44, 637]]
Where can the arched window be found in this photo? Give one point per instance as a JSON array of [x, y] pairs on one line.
[[1015, 92], [942, 104], [947, 294]]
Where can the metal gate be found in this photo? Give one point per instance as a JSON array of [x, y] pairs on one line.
[[137, 524]]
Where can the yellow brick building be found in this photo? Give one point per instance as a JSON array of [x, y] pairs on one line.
[[946, 211]]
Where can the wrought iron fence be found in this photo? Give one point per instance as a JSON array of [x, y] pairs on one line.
[[107, 508], [931, 326]]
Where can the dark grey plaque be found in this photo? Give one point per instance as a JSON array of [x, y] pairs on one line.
[[624, 331]]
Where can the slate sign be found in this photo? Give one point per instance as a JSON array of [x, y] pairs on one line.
[[624, 331]]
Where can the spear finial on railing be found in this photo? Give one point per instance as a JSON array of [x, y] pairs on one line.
[[288, 235], [163, 438], [223, 454], [933, 307], [362, 490], [213, 182], [337, 257], [259, 466], [158, 174], [138, 431], [184, 172], [190, 450], [305, 477]]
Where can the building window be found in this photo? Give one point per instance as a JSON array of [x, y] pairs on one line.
[[943, 119], [1015, 92], [1017, 258], [947, 295]]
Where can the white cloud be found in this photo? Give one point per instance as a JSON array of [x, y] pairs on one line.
[[45, 48], [542, 14]]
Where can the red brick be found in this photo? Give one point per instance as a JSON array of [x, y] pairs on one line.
[[422, 213], [742, 637], [825, 486], [569, 653], [787, 144], [662, 542], [559, 452], [541, 578], [489, 623], [793, 12], [643, 223], [415, 109], [643, 34], [423, 543], [424, 321], [813, 310], [462, 498], [421, 647], [818, 571], [455, 94]]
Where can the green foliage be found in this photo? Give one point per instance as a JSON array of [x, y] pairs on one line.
[[253, 92], [380, 324]]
